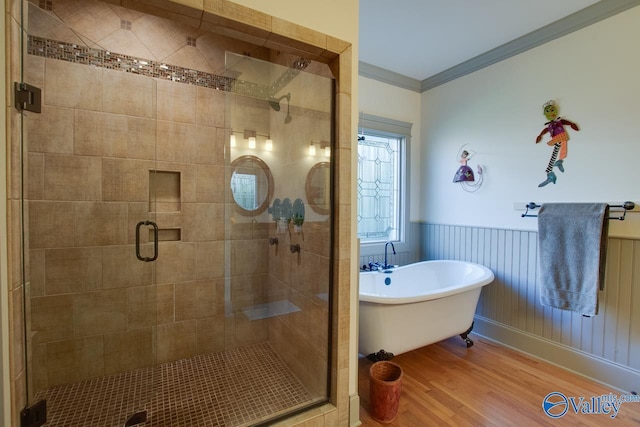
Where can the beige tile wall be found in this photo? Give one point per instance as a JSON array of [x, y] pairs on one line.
[[88, 188], [86, 196], [249, 274], [302, 338]]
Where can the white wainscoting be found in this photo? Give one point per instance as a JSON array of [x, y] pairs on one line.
[[605, 347]]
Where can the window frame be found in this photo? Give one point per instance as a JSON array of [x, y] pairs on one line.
[[386, 127]]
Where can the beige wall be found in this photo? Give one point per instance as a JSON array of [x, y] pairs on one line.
[[498, 112], [333, 17], [384, 100]]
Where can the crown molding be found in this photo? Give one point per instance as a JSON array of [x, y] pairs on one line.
[[576, 21], [385, 76]]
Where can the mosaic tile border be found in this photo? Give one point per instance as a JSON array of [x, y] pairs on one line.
[[101, 58]]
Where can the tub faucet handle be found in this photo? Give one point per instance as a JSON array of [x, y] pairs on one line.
[[373, 266]]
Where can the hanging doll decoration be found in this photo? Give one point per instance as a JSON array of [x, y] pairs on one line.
[[464, 175], [559, 139]]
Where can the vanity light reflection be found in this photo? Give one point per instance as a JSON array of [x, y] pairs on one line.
[[251, 137], [324, 146]]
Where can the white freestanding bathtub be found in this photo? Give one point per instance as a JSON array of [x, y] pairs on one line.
[[408, 307]]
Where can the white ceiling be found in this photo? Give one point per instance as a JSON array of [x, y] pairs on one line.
[[421, 38]]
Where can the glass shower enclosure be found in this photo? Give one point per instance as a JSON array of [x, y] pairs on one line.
[[177, 221]]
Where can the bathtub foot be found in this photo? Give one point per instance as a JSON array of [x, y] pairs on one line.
[[465, 336], [379, 356]]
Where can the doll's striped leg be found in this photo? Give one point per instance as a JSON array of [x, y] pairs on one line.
[[554, 157], [551, 177]]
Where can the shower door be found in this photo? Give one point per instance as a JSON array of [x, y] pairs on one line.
[[153, 290], [93, 192]]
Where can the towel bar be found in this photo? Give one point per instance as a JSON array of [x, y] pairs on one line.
[[626, 206]]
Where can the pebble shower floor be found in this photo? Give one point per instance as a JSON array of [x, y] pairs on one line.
[[232, 388]]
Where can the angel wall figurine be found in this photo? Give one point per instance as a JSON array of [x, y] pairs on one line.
[[464, 175], [559, 139], [464, 172]]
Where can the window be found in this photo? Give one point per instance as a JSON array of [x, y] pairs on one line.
[[382, 180], [379, 187]]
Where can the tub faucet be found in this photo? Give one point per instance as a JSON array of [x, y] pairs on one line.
[[393, 248]]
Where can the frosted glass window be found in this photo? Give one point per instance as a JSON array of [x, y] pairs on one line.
[[379, 209]]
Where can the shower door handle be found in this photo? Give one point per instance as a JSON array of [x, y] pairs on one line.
[[155, 241]]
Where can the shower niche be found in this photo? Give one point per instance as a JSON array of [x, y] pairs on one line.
[[136, 128], [164, 191]]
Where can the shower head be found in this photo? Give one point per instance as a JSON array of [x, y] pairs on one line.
[[275, 102]]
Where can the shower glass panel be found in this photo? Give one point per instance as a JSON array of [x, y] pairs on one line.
[[93, 193], [277, 248], [177, 227]]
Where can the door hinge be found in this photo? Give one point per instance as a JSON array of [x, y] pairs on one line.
[[35, 415], [28, 98]]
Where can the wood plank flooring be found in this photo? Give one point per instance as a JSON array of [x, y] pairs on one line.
[[446, 384]]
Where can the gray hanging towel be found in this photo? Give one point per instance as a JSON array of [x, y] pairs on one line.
[[572, 240]]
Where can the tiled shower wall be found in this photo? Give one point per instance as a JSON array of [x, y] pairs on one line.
[[513, 300], [105, 141], [302, 337], [90, 168]]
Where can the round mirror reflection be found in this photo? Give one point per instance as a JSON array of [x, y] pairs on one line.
[[318, 188], [251, 185]]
